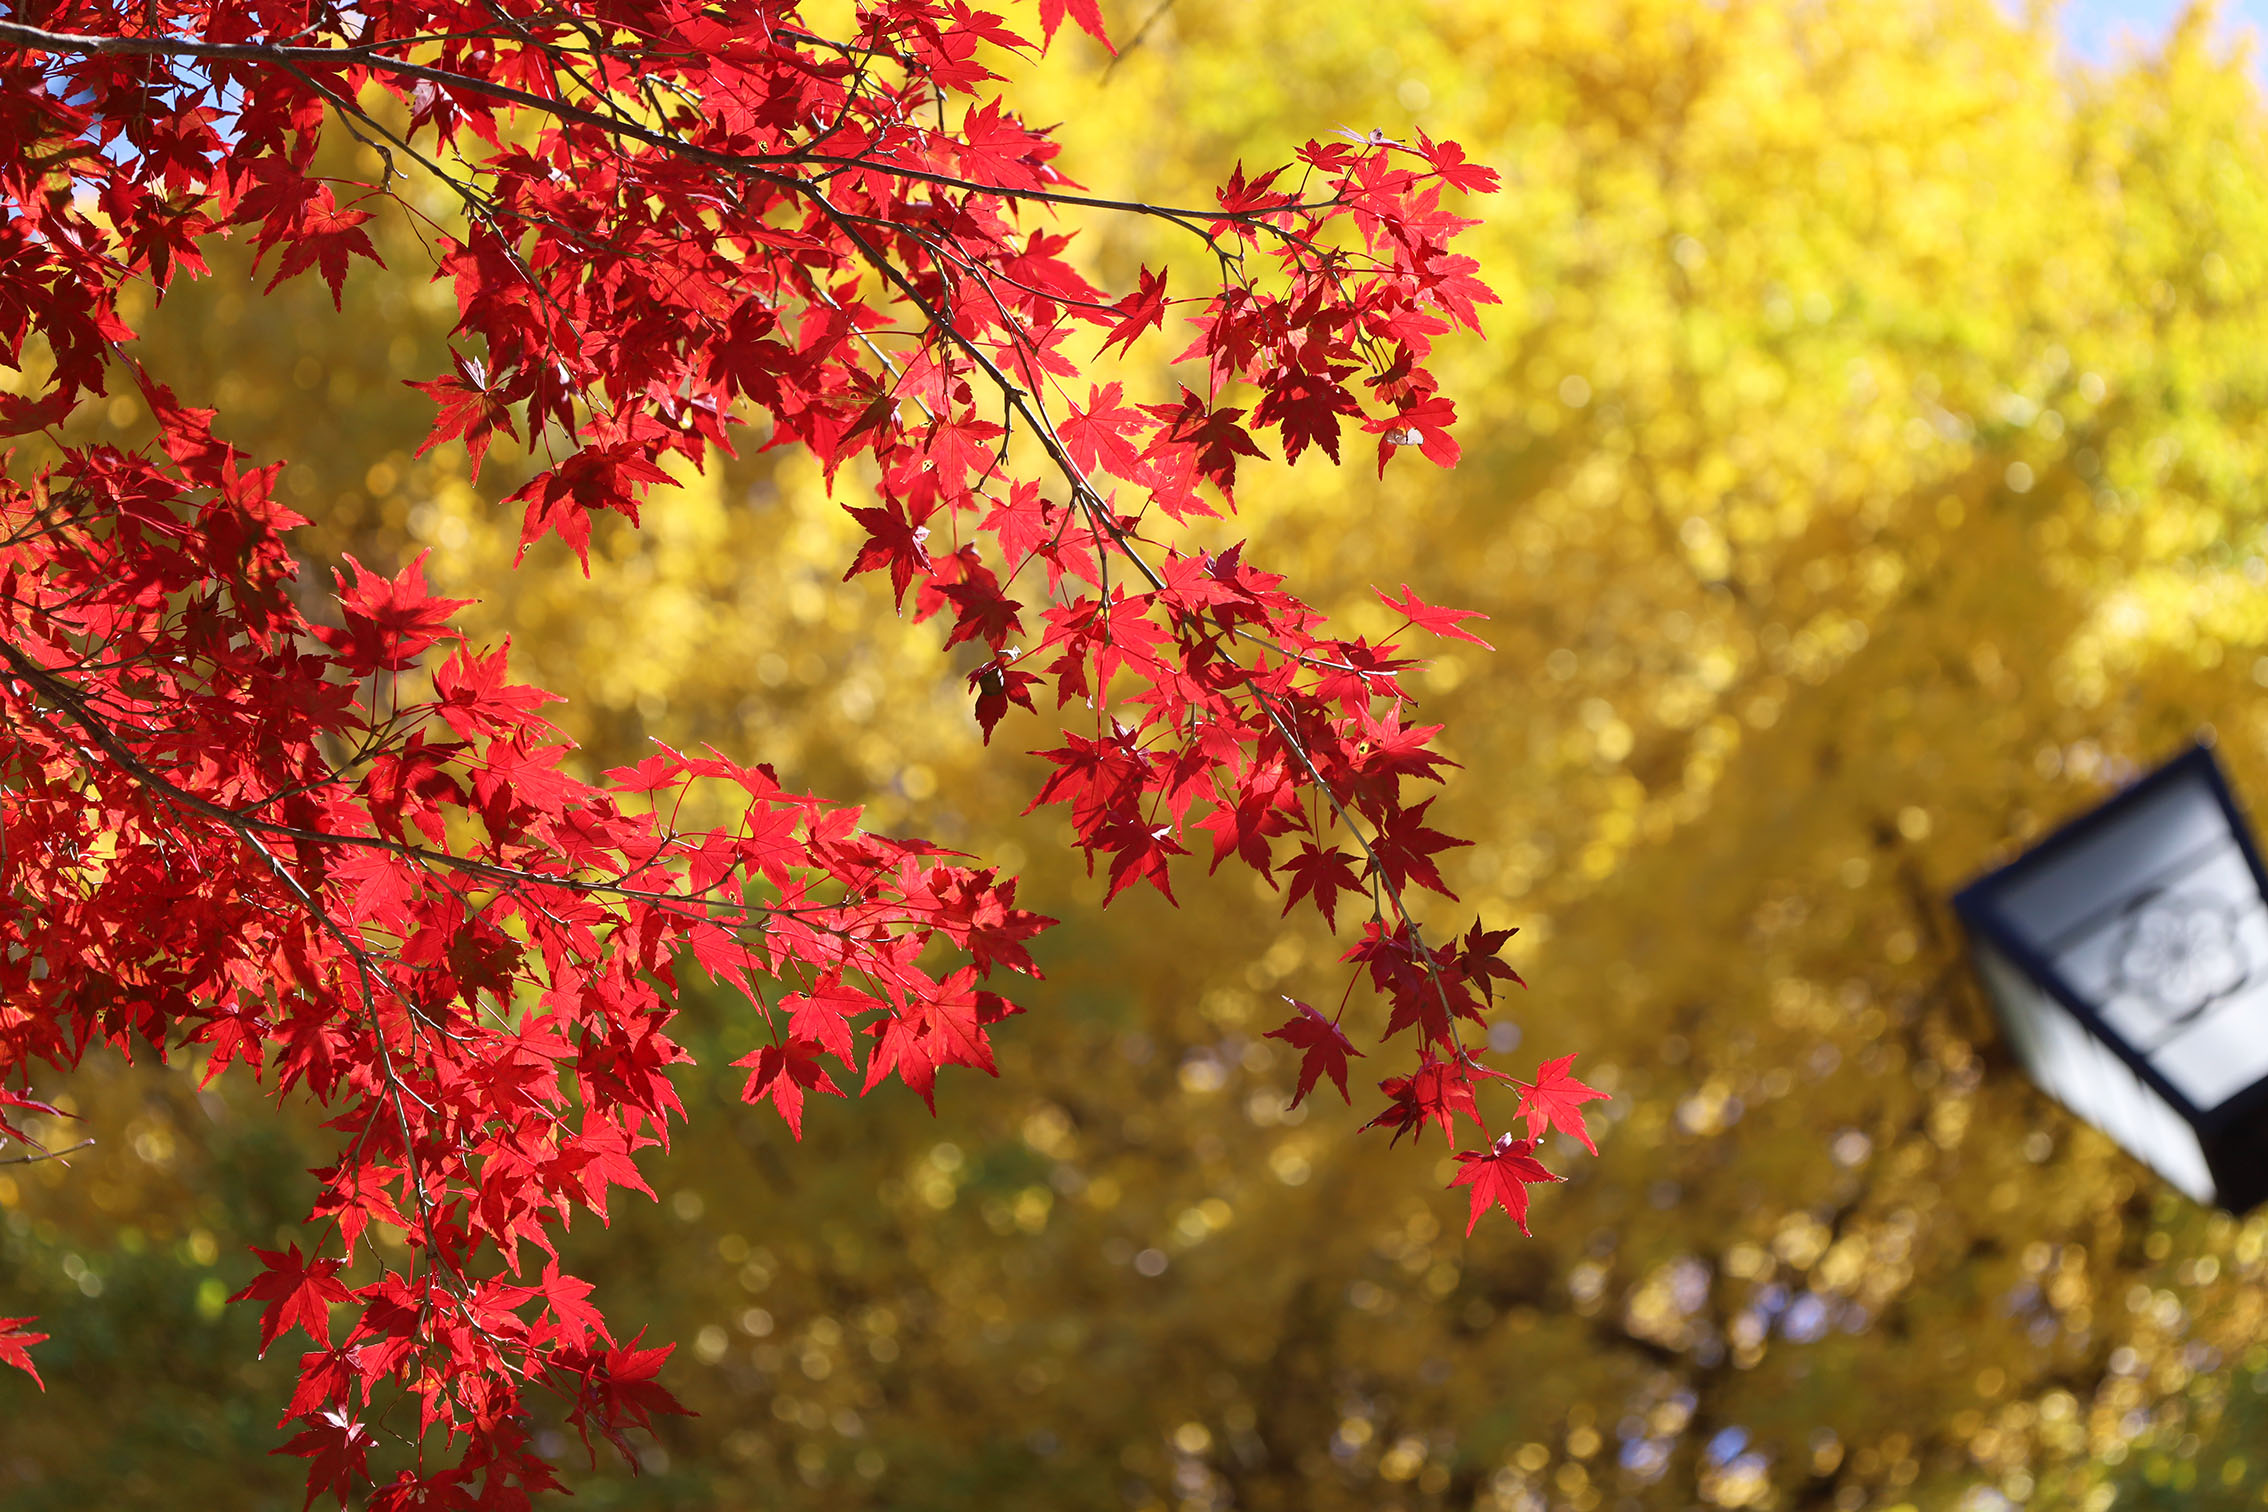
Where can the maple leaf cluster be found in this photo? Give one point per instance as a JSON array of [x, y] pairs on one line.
[[350, 856], [258, 842]]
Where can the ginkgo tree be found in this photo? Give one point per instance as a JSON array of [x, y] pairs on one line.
[[326, 842]]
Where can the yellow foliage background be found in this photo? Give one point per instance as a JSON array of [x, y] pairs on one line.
[[1863, 472]]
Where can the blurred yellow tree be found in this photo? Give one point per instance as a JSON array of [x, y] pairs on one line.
[[1864, 473]]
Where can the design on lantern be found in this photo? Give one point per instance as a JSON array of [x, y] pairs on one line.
[[2179, 954]]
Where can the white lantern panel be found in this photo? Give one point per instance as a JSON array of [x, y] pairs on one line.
[[2156, 920], [2087, 1077]]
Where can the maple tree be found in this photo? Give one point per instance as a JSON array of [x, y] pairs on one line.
[[342, 852], [1678, 811]]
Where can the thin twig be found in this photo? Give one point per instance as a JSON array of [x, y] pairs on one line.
[[45, 1155]]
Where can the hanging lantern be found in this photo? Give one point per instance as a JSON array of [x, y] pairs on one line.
[[2127, 957]]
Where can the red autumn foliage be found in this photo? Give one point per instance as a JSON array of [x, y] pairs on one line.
[[350, 858], [1501, 1177]]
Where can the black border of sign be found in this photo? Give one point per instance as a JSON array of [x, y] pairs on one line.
[[1976, 905]]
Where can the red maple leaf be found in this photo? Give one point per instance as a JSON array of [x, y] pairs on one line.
[[1139, 311], [596, 478], [1448, 159], [783, 1073], [893, 542], [1099, 436], [617, 1391], [1436, 1091], [1404, 847], [1500, 1178], [303, 216], [389, 621], [19, 415], [1477, 958], [1212, 434], [1324, 873], [1022, 523], [981, 610], [474, 698], [1442, 622], [571, 1316], [15, 1346], [947, 1030], [996, 148], [356, 1195], [10, 1099], [469, 408], [324, 1378], [1323, 1048], [997, 686], [1140, 852], [1086, 12], [1306, 407], [1555, 1100], [337, 1449], [299, 1292], [1424, 425], [1243, 196]]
